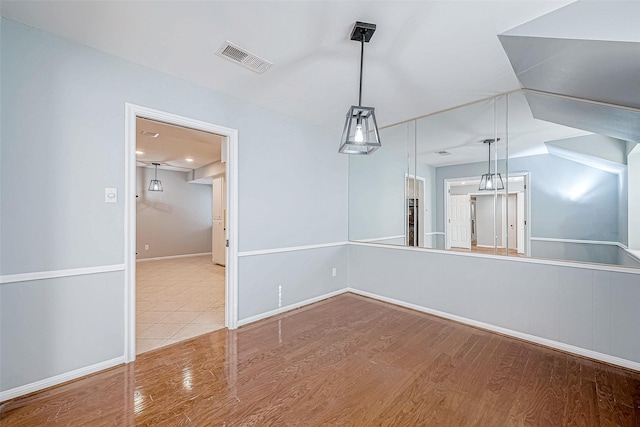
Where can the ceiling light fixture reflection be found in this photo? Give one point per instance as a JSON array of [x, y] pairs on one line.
[[189, 160], [360, 134], [139, 152], [155, 184], [151, 134], [491, 181]]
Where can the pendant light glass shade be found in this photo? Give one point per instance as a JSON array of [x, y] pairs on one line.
[[155, 184], [491, 181], [360, 134]]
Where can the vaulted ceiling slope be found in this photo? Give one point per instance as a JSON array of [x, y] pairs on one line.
[[581, 66], [425, 56]]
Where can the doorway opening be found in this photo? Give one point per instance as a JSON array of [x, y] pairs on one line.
[[179, 222], [414, 208], [487, 221], [166, 301]]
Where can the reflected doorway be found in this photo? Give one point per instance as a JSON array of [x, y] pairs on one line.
[[487, 221], [414, 209]]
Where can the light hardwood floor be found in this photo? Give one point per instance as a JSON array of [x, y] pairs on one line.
[[349, 361], [177, 299]]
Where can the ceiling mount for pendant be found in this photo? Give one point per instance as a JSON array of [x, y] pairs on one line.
[[360, 134], [362, 31]]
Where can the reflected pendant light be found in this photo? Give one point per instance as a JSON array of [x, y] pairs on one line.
[[360, 134], [155, 184], [491, 181]]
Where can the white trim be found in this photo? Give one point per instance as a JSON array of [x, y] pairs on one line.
[[133, 111], [290, 307], [587, 242], [573, 98], [378, 239], [434, 233], [160, 258], [559, 263], [290, 249], [59, 379], [633, 253], [41, 275], [231, 195], [520, 335]]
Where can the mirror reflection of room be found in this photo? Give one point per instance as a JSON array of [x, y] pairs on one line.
[[491, 178]]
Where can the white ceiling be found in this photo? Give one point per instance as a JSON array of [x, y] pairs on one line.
[[461, 132], [425, 56], [175, 144]]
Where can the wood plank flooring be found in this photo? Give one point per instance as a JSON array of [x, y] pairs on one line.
[[347, 360]]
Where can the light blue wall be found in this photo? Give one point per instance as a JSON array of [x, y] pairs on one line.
[[623, 207], [376, 187], [568, 200], [176, 221], [308, 273], [51, 327], [62, 133], [590, 309]]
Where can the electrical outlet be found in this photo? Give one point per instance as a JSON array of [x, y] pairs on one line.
[[334, 272], [146, 247]]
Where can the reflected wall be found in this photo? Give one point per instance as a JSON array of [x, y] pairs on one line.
[[558, 192]]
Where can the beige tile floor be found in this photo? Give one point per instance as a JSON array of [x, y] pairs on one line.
[[177, 299]]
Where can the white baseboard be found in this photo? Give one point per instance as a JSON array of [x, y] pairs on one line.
[[504, 331], [380, 239], [59, 379], [172, 257], [280, 310]]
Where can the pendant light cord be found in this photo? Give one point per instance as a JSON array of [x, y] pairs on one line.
[[361, 65], [489, 166]]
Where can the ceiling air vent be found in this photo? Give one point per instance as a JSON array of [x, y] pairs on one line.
[[443, 153], [246, 59]]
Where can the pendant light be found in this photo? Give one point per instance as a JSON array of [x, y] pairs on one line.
[[360, 134], [155, 184], [491, 181]]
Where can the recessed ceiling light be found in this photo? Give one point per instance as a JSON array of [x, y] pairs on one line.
[[139, 152], [189, 160], [151, 134]]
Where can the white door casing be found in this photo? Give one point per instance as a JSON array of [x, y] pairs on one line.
[[231, 273]]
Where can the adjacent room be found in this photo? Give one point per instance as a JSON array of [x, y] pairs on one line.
[[193, 232], [180, 219]]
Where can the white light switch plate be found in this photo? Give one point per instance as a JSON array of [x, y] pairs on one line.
[[111, 195]]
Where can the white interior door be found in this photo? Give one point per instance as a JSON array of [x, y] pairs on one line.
[[218, 243], [460, 221]]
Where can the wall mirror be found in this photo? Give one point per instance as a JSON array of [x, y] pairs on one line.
[[490, 178]]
